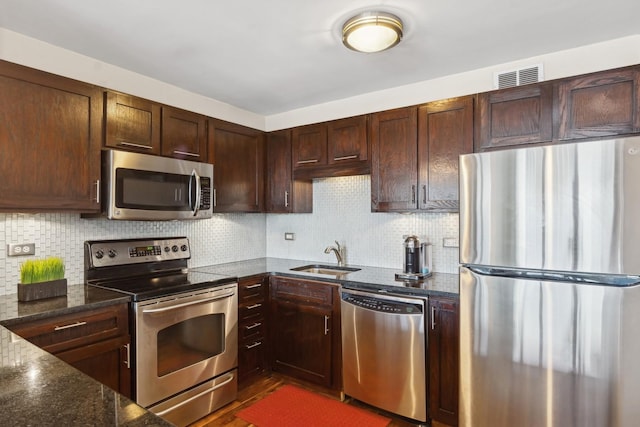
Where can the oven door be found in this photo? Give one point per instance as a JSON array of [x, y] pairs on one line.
[[184, 340]]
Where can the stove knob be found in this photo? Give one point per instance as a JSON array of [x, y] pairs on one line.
[[99, 254], [183, 248], [167, 248], [112, 253], [174, 248]]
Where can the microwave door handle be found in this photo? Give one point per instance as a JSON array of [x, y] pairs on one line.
[[195, 205]]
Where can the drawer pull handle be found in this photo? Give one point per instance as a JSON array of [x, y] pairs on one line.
[[255, 325], [251, 307], [326, 325], [354, 156], [185, 153], [131, 144], [304, 162], [72, 325], [257, 285], [255, 344]]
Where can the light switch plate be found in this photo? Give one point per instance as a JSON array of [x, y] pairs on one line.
[[20, 249], [289, 236], [450, 242]]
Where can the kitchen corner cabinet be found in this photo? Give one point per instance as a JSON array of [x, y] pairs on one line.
[[414, 163], [50, 138], [283, 194], [132, 123], [238, 156], [335, 148], [444, 355], [94, 341], [252, 327], [305, 330], [184, 134], [514, 116], [599, 104]]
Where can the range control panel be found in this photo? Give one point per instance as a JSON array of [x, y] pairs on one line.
[[104, 253]]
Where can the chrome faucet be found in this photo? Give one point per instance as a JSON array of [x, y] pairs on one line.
[[338, 250]]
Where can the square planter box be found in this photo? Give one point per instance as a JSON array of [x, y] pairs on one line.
[[42, 290]]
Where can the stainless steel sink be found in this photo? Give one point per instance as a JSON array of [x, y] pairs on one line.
[[330, 270]]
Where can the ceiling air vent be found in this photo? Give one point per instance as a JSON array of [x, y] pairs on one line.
[[519, 77]]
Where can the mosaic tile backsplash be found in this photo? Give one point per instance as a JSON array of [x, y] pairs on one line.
[[341, 211]]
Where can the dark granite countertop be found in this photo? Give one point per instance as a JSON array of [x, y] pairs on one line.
[[37, 388], [370, 278]]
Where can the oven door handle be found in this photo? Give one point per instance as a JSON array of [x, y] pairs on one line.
[[192, 398], [186, 304]]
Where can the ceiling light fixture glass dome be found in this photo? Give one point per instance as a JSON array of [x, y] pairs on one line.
[[372, 32]]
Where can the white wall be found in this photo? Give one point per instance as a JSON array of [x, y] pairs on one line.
[[342, 212]]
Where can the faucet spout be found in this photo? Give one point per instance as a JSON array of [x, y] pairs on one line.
[[338, 250]]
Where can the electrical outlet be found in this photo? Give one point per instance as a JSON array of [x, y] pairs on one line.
[[21, 249], [450, 242], [289, 236]]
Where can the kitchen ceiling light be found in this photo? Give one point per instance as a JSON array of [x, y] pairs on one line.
[[372, 32]]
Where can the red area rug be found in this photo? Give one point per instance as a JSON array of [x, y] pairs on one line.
[[293, 406]]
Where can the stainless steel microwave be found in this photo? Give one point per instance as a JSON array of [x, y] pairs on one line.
[[145, 187]]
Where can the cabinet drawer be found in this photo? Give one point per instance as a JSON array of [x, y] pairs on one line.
[[251, 330], [251, 291], [250, 313], [60, 333], [303, 291]]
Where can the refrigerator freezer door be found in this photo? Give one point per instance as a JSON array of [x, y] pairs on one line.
[[565, 207], [541, 353]]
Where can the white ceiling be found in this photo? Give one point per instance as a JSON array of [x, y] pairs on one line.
[[273, 56]]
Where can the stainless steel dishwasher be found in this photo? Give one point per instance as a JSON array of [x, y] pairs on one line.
[[384, 351]]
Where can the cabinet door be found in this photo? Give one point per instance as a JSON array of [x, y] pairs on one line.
[[445, 131], [309, 146], [237, 154], [394, 165], [132, 123], [347, 140], [302, 341], [443, 360], [184, 134], [283, 194], [515, 116], [50, 139], [600, 104]]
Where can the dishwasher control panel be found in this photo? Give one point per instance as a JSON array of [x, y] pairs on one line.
[[383, 305]]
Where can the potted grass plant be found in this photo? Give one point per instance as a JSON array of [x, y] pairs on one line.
[[42, 278]]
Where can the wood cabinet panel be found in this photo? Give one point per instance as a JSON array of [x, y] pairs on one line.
[[95, 341], [309, 146], [394, 166], [515, 116], [347, 140], [283, 194], [444, 360], [184, 134], [252, 326], [50, 139], [445, 131], [132, 123], [599, 104], [238, 156]]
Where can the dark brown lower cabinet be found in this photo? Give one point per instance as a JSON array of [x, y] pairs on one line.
[[94, 341], [252, 327], [305, 330], [444, 355]]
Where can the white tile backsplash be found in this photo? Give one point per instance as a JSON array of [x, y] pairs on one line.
[[341, 211]]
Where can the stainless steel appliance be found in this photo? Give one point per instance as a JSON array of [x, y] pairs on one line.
[[185, 336], [549, 294], [384, 351], [417, 260], [145, 187]]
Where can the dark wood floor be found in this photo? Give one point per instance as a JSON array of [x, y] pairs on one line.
[[266, 385]]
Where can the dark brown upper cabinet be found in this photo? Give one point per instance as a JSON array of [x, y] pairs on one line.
[[184, 134], [335, 148], [414, 163], [237, 154], [283, 194], [514, 116], [132, 123], [599, 104], [445, 131], [50, 140]]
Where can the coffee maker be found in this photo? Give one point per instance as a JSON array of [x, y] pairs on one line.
[[417, 259]]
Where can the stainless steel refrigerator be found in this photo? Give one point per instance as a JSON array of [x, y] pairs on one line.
[[549, 294]]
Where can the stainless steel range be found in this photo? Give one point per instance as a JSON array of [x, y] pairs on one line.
[[184, 324]]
